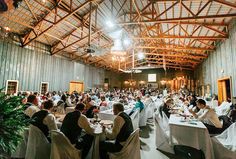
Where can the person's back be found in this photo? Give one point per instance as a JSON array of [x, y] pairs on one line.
[[37, 120], [44, 120], [164, 109], [70, 126], [126, 129]]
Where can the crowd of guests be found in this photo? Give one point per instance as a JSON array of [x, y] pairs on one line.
[[41, 109], [198, 108]]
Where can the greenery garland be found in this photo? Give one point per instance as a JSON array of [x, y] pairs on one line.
[[12, 123]]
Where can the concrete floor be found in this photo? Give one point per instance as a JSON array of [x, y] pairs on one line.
[[148, 146], [147, 142]]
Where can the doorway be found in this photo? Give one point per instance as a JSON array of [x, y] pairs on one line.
[[76, 86], [224, 89]]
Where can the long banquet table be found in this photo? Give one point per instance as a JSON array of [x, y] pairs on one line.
[[108, 114], [190, 133]]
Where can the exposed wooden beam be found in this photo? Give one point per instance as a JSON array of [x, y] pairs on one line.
[[27, 40], [181, 37], [220, 16], [77, 41], [174, 47]]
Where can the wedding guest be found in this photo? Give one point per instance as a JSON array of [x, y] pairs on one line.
[[120, 132], [44, 119], [166, 108], [72, 126], [103, 101], [208, 117], [31, 106], [138, 105]]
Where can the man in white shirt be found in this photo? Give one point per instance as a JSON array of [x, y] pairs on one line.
[[44, 120], [31, 106], [72, 126], [208, 117], [121, 131]]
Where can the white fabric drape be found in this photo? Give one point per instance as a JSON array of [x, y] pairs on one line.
[[150, 109], [62, 148], [223, 109], [135, 119], [131, 149], [162, 134], [38, 146], [69, 109], [21, 148], [143, 117], [61, 108], [196, 136], [224, 145]]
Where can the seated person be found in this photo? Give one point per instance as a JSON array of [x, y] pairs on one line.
[[31, 106], [44, 120], [208, 117], [138, 105], [121, 131], [72, 126], [166, 108], [103, 101]]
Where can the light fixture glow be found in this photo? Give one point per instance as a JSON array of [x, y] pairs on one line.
[[127, 42], [141, 56], [110, 24], [7, 29]]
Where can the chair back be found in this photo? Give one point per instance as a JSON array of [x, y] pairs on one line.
[[38, 146], [61, 108], [162, 134], [187, 152], [228, 137], [143, 117], [131, 149], [21, 148], [62, 147], [135, 119]]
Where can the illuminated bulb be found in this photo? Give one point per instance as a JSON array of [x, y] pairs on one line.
[[44, 1], [127, 42], [141, 55], [7, 29], [110, 24]]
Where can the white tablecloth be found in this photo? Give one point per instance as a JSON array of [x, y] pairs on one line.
[[189, 134], [108, 114]]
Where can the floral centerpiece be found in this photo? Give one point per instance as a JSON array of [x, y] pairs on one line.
[[95, 113]]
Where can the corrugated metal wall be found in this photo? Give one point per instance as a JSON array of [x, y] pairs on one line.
[[33, 65], [223, 59]]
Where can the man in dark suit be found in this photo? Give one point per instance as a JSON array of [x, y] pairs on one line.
[[121, 131]]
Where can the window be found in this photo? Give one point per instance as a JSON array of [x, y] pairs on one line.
[[11, 87], [44, 87], [152, 77]]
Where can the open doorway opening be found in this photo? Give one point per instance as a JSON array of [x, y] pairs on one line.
[[224, 89]]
